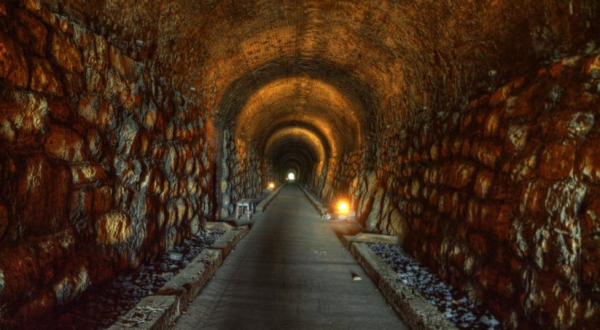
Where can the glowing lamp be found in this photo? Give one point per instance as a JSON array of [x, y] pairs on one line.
[[343, 207], [271, 185]]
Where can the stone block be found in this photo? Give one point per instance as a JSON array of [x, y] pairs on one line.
[[94, 81], [218, 226], [488, 153], [22, 117], [151, 313], [483, 183], [376, 238], [592, 67], [96, 111], [526, 167], [228, 240], [187, 284], [71, 286], [517, 137], [500, 96], [88, 173], [29, 31], [445, 203], [103, 197], [42, 197], [492, 124], [64, 144], [588, 163], [13, 66], [4, 223], [533, 196], [113, 228], [461, 174], [65, 53], [43, 77], [80, 207], [557, 160]]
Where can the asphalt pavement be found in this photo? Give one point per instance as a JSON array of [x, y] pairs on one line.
[[290, 272]]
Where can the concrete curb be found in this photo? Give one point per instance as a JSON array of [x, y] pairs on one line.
[[416, 312], [151, 313], [369, 238], [321, 209], [262, 206], [227, 241], [160, 310]]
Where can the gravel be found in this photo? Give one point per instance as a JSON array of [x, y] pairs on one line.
[[456, 307], [100, 307]]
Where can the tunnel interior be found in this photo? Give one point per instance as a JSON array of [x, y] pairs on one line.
[[468, 129]]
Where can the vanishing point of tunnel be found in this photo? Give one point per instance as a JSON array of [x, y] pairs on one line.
[[467, 130]]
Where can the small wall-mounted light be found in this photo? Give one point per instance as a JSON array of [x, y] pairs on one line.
[[343, 207], [271, 185]]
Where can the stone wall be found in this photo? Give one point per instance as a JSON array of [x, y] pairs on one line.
[[243, 174], [502, 198], [102, 163]]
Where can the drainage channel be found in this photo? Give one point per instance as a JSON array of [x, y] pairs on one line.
[[100, 307], [455, 307]]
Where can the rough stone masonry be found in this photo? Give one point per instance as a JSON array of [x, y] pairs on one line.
[[470, 129]]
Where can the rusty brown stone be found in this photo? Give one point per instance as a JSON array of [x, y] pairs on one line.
[[500, 96], [30, 31], [517, 137], [22, 117], [13, 66], [96, 111], [43, 77], [488, 153], [113, 228], [42, 197], [64, 144], [492, 124], [483, 183], [65, 53], [532, 198], [4, 220], [80, 212], [557, 160], [103, 197], [88, 173], [461, 174], [589, 161]]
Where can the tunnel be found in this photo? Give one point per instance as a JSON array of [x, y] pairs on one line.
[[467, 130]]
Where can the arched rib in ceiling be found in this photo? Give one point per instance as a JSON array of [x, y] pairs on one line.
[[411, 53], [301, 101], [327, 144], [283, 138]]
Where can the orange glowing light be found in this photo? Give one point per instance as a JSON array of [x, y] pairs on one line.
[[343, 207], [271, 185]]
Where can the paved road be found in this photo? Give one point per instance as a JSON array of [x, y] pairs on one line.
[[289, 272]]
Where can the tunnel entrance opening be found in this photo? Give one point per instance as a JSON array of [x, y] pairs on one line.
[[291, 177]]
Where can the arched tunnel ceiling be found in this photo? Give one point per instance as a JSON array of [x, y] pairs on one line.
[[265, 63], [301, 102], [286, 140], [408, 53]]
